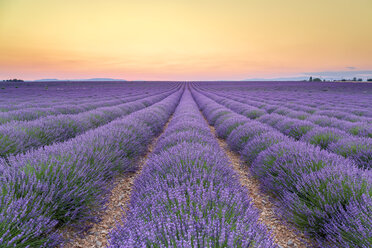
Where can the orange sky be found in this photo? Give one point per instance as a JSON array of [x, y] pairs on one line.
[[182, 39]]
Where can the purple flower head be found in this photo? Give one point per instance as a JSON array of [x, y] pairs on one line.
[[244, 133], [282, 165], [356, 148], [227, 126], [323, 137], [260, 143]]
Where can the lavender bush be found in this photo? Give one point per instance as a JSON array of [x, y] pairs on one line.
[[358, 149], [225, 128], [322, 197], [245, 133], [363, 129], [323, 137], [352, 218], [282, 165], [187, 136], [294, 128], [271, 119], [260, 143]]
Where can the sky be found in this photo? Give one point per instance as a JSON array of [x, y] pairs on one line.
[[184, 39]]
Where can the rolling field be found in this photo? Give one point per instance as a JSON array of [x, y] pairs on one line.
[[174, 164]]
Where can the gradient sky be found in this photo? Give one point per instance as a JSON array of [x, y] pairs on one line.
[[182, 39]]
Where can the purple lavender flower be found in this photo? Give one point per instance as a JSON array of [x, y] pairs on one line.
[[323, 137], [260, 143], [225, 128], [327, 200], [244, 133], [294, 128], [282, 165], [356, 148]]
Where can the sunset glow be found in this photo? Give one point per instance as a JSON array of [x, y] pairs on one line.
[[182, 39]]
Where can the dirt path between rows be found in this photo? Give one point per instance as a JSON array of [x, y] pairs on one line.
[[284, 236], [98, 234]]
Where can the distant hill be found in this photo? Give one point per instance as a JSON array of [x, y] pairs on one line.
[[89, 79], [101, 79], [46, 80], [278, 79]]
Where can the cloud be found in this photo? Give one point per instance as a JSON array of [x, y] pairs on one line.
[[351, 67]]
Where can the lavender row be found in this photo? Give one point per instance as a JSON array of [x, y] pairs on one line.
[[323, 194], [327, 110], [67, 183], [335, 107], [17, 137], [35, 102], [358, 149], [188, 195], [15, 103], [309, 97], [361, 128], [62, 108], [326, 118], [29, 95], [300, 111]]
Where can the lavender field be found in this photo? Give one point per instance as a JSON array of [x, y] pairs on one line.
[[196, 164]]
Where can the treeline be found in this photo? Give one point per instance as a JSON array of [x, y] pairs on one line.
[[13, 80], [311, 79]]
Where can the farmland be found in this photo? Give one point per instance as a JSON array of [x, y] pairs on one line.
[[197, 164]]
